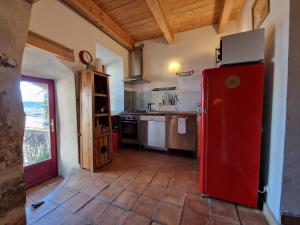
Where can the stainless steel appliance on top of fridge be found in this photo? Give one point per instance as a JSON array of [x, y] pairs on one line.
[[242, 47]]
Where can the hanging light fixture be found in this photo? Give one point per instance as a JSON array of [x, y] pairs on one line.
[[174, 67]]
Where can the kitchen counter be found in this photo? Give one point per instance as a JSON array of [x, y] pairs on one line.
[[161, 113], [158, 130]]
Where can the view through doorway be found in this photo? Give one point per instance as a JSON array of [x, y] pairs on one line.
[[39, 144]]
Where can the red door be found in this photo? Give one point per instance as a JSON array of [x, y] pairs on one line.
[[231, 133], [39, 146]]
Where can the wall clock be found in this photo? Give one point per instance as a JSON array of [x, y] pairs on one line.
[[85, 57]]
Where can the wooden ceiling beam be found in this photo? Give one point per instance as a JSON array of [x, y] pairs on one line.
[[160, 16], [91, 11], [48, 45], [225, 15], [32, 1]]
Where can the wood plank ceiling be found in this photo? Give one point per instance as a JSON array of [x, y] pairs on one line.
[[140, 19]]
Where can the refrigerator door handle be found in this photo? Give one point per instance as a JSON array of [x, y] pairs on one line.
[[206, 134]]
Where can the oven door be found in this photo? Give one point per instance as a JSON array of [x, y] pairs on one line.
[[130, 131]]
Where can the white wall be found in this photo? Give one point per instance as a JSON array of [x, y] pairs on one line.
[[116, 83], [276, 60], [114, 66], [38, 63], [194, 50], [56, 21]]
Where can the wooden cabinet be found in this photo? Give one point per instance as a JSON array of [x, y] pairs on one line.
[[95, 120]]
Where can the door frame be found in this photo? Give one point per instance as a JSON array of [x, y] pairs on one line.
[[52, 164]]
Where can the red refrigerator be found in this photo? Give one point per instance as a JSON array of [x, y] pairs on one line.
[[230, 136]]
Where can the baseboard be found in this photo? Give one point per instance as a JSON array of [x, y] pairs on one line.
[[287, 219], [269, 216]]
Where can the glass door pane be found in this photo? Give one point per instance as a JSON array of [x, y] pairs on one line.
[[37, 144]]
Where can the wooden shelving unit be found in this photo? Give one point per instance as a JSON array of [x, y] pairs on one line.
[[95, 120]]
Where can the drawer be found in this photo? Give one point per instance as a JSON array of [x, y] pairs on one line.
[[153, 118]]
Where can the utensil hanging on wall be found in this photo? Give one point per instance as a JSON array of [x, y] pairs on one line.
[[185, 74], [182, 76]]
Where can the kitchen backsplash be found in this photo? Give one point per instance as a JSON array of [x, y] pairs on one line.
[[175, 100], [137, 100]]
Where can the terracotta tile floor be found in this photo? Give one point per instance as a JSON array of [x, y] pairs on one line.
[[137, 188], [43, 190]]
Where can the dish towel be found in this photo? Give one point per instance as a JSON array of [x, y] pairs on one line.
[[181, 125]]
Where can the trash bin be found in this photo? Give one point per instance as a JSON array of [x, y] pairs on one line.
[[115, 140]]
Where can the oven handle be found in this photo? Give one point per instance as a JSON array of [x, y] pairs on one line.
[[127, 121]]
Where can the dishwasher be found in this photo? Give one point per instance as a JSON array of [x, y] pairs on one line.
[[153, 132], [186, 141]]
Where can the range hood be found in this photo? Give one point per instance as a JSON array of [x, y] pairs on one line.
[[136, 66]]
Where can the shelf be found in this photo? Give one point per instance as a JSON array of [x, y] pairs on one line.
[[102, 135], [95, 104], [101, 74], [100, 85], [96, 73], [101, 114], [100, 95], [105, 134]]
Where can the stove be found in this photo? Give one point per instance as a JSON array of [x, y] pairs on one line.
[[133, 111], [130, 128]]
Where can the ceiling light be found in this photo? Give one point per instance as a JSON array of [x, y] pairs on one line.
[[174, 67]]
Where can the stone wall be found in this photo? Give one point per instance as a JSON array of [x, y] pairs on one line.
[[14, 22]]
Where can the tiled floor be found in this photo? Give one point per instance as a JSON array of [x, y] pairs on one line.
[[137, 188], [41, 191]]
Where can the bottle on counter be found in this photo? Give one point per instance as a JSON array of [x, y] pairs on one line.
[[198, 110]]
